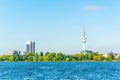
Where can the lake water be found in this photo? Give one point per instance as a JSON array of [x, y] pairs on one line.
[[60, 71]]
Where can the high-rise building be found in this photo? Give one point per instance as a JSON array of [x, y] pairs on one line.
[[30, 46], [33, 46]]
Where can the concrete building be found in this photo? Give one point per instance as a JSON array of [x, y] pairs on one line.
[[89, 52], [33, 46], [84, 40], [30, 46], [14, 52]]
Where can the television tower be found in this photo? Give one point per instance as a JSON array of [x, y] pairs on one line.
[[84, 40]]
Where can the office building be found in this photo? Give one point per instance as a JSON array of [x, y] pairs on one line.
[[30, 46]]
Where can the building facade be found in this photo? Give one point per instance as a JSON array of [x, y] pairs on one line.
[[30, 46], [14, 52]]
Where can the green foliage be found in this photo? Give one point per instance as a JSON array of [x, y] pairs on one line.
[[40, 59], [76, 57], [46, 53], [41, 53], [118, 58], [11, 58], [109, 58], [57, 57], [67, 59], [90, 57], [36, 57], [4, 58], [16, 58]]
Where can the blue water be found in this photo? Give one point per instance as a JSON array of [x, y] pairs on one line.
[[60, 71]]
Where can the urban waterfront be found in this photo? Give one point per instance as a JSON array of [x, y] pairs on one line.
[[59, 71]]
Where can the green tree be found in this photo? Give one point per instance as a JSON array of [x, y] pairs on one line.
[[109, 58], [36, 57], [5, 58], [46, 53], [41, 54], [101, 57], [40, 59], [24, 57], [86, 57], [54, 59], [31, 54], [74, 60], [45, 59], [31, 57], [69, 56], [60, 57], [50, 56], [76, 57], [11, 58], [16, 58], [67, 59], [118, 58], [82, 57], [90, 57]]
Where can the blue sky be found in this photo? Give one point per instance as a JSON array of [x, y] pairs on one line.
[[56, 25]]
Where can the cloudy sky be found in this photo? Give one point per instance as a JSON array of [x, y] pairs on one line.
[[56, 25]]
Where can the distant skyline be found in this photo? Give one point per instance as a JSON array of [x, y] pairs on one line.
[[56, 25]]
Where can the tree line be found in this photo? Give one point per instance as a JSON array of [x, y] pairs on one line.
[[57, 57]]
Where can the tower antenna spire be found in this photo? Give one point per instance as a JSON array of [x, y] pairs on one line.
[[84, 40]]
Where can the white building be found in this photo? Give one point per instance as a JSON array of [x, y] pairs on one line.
[[105, 55]]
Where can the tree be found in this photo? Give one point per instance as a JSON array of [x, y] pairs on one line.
[[16, 58], [5, 58], [118, 58], [24, 57], [85, 56], [45, 59], [46, 53], [11, 58], [109, 58], [74, 60], [36, 57], [95, 58], [82, 57], [69, 56], [111, 54], [40, 58], [50, 56], [31, 54], [31, 57], [101, 57], [67, 59], [41, 53], [60, 57], [89, 56], [54, 59], [76, 57]]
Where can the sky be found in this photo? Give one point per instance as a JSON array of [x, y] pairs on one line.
[[56, 25]]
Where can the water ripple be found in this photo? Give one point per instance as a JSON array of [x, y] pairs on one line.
[[60, 71]]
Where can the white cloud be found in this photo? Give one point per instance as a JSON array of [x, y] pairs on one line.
[[94, 7]]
